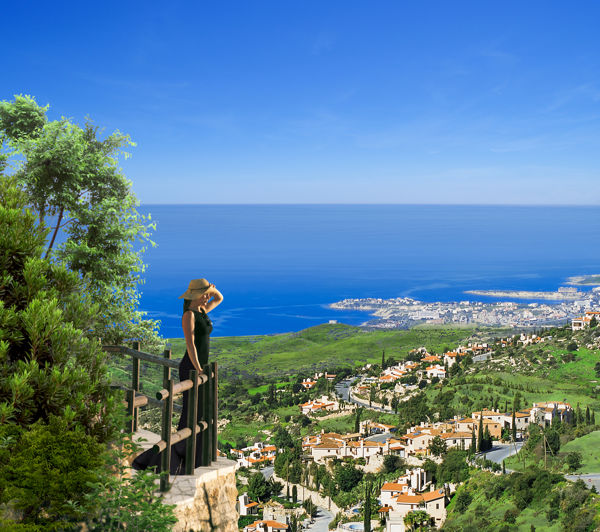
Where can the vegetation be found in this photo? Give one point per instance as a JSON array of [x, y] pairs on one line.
[[59, 419], [533, 498], [71, 179]]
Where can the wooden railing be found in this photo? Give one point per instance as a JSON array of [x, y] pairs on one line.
[[203, 396]]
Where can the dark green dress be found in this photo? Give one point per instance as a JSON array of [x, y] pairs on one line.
[[202, 329]]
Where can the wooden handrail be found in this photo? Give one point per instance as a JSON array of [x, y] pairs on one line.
[[180, 387], [180, 435], [202, 401]]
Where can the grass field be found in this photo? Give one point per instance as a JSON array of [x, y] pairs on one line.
[[589, 447]]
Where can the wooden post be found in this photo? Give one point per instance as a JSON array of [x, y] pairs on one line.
[[206, 410], [166, 369], [192, 423], [129, 423], [165, 460], [135, 382], [215, 412]]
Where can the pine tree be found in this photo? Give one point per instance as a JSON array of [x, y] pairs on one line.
[[514, 427], [480, 434], [593, 419], [367, 507], [383, 360], [503, 468], [487, 440], [473, 448], [587, 415]]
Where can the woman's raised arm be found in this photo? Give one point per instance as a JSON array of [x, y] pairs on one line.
[[216, 298]]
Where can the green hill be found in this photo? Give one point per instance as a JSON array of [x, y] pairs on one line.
[[320, 347]]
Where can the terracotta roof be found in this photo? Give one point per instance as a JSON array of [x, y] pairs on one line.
[[385, 509], [409, 499], [272, 524], [433, 495], [251, 504], [393, 486]]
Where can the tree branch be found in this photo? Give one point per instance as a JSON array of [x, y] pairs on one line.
[[56, 228]]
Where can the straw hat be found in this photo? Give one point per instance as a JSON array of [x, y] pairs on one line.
[[196, 288]]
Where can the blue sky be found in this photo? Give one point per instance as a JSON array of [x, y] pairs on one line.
[[326, 101]]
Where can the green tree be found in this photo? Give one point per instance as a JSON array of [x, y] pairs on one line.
[[480, 443], [513, 427], [358, 413], [453, 468], [438, 446], [416, 519], [258, 488], [391, 463], [294, 493], [347, 477], [574, 460], [372, 394], [57, 411], [463, 500], [72, 176], [367, 508]]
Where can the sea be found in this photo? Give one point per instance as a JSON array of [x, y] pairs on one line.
[[280, 266]]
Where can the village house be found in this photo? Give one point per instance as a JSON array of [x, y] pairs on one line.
[[436, 371], [265, 526], [577, 324], [433, 502], [330, 377], [546, 413], [319, 405], [258, 455], [325, 446], [371, 427], [307, 384], [246, 506], [431, 358]]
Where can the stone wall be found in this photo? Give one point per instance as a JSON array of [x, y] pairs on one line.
[[206, 501]]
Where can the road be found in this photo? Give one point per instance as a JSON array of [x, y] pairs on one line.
[[324, 516], [590, 479], [501, 451], [342, 389]]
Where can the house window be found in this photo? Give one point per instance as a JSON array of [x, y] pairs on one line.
[[437, 506]]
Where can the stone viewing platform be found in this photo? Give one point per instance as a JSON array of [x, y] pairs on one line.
[[206, 500]]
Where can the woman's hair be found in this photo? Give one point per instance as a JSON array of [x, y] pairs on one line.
[[186, 304]]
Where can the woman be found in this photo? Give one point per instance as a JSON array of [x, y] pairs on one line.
[[198, 300]]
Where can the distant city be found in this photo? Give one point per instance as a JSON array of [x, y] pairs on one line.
[[403, 312]]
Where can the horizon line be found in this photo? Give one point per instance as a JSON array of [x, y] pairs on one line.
[[388, 204]]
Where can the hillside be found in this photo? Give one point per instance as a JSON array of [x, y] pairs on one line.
[[320, 347]]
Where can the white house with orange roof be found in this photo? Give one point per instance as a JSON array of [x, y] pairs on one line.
[[371, 427], [433, 502], [319, 405], [417, 441], [328, 376], [265, 526], [307, 384], [325, 446], [581, 322], [450, 358], [436, 371], [246, 506], [545, 413], [259, 455]]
